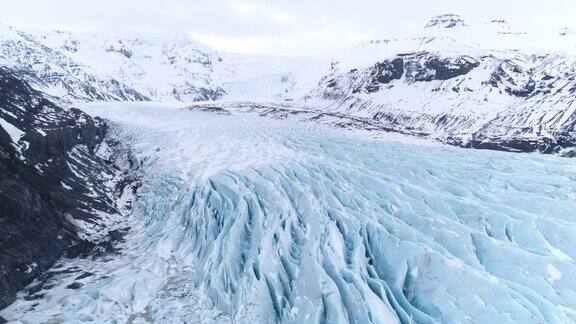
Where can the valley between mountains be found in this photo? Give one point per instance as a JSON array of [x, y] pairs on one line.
[[480, 84]]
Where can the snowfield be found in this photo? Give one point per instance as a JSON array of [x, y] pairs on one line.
[[243, 218]]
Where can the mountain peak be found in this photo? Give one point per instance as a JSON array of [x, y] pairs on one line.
[[567, 31], [501, 24], [446, 21]]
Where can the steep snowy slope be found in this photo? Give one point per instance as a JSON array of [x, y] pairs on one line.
[[54, 72], [480, 85], [269, 78], [247, 219], [108, 65], [103, 66], [55, 185], [158, 66]]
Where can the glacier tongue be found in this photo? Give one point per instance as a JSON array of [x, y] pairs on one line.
[[242, 218]]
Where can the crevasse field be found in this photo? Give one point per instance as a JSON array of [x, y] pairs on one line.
[[248, 219]]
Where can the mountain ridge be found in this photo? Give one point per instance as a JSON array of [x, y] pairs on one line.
[[471, 84], [470, 96]]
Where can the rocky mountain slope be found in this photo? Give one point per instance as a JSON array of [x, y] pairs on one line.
[[56, 73], [483, 85], [158, 66], [56, 188], [121, 66], [94, 66], [471, 84]]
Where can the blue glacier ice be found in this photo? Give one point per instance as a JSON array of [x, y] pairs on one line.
[[248, 219]]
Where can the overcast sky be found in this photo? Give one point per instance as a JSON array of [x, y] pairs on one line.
[[283, 26]]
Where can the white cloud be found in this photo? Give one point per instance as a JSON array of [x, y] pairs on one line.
[[299, 43], [280, 26], [256, 10]]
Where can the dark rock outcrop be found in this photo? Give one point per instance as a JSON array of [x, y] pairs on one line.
[[424, 67], [409, 68], [445, 69], [51, 182], [515, 80], [384, 73], [446, 21]]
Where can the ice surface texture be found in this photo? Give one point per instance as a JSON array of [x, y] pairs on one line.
[[258, 220]]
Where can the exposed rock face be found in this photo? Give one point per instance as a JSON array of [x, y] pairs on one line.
[[446, 21], [449, 68], [459, 89], [57, 73], [514, 79], [52, 183], [86, 66], [417, 67], [384, 73]]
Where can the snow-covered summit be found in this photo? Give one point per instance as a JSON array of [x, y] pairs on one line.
[[452, 33], [566, 31], [95, 65], [108, 65], [468, 83], [446, 21]]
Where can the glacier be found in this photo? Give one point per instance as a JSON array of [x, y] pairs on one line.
[[242, 218]]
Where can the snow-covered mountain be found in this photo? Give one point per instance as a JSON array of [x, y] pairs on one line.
[[472, 84], [55, 73], [481, 85], [159, 66], [111, 66], [118, 66]]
